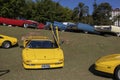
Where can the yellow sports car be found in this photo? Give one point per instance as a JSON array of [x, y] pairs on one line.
[[109, 64], [40, 52], [7, 42]]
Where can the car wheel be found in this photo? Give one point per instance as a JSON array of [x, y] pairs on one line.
[[4, 24], [117, 73], [86, 32], [118, 34], [6, 44], [25, 25]]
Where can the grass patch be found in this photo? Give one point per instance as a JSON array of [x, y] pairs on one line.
[[80, 51]]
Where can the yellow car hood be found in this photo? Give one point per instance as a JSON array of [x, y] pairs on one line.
[[41, 54], [112, 57]]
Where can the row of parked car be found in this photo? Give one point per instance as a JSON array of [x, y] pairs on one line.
[[101, 30], [63, 26]]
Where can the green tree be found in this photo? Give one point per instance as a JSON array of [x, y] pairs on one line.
[[95, 5], [29, 9], [12, 8], [17, 7], [47, 10], [38, 10], [80, 12], [101, 15], [4, 8], [43, 11]]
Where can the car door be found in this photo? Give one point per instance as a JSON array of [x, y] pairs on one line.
[[55, 35]]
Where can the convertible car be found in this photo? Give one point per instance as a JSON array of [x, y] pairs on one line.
[[108, 29], [39, 52], [7, 42], [109, 64], [87, 28]]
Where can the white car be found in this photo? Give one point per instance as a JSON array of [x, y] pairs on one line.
[[111, 28]]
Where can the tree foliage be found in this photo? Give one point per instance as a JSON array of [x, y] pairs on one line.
[[80, 12], [11, 8], [39, 10], [102, 14], [48, 10]]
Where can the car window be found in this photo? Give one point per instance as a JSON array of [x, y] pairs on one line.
[[41, 44]]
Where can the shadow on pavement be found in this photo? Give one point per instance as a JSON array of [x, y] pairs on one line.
[[2, 72]]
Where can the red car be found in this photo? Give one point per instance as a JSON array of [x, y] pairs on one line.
[[41, 26], [13, 22], [21, 23]]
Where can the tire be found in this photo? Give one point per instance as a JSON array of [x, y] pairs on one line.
[[117, 73], [6, 44], [86, 32], [25, 25], [118, 34], [4, 24]]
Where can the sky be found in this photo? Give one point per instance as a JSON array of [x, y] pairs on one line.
[[73, 3]]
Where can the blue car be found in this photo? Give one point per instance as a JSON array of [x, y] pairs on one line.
[[60, 25], [86, 28]]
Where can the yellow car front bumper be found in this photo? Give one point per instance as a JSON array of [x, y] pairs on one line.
[[42, 66]]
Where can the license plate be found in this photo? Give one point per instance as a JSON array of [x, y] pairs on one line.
[[44, 66]]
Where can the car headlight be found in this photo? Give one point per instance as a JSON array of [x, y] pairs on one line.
[[60, 61]]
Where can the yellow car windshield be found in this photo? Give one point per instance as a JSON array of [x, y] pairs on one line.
[[41, 44]]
